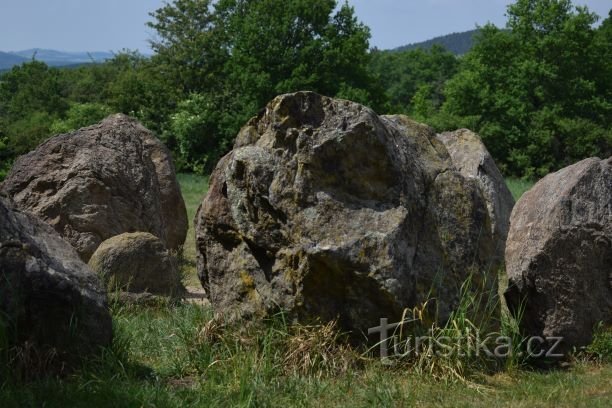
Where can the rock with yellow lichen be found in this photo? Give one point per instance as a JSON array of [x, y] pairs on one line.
[[326, 210]]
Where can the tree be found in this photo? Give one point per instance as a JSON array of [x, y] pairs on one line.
[[415, 73], [229, 59], [285, 46], [535, 92], [31, 97], [189, 49], [80, 115], [31, 87]]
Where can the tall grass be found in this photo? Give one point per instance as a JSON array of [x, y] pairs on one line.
[[600, 349], [175, 355], [453, 351], [518, 186]]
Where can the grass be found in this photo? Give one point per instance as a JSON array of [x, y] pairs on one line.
[[176, 355], [194, 188], [518, 186]]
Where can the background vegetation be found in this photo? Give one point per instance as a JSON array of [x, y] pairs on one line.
[[537, 91]]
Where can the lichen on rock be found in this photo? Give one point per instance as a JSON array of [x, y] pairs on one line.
[[326, 210]]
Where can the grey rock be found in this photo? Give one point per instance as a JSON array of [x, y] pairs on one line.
[[137, 262], [99, 182], [51, 299], [326, 210], [559, 254], [472, 159]]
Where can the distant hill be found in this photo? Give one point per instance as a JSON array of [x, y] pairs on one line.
[[51, 57], [457, 43], [8, 60]]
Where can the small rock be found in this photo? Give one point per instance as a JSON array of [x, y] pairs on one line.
[[138, 263]]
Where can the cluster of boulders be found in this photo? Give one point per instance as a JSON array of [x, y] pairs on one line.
[[326, 210], [105, 194], [323, 210]]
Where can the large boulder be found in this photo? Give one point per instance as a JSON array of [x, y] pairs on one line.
[[137, 262], [99, 182], [325, 210], [559, 254], [472, 159], [48, 296]]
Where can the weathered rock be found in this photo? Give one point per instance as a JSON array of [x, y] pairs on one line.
[[324, 210], [51, 298], [137, 262], [559, 254], [472, 159], [99, 182]]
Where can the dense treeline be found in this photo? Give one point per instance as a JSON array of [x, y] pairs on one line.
[[539, 91]]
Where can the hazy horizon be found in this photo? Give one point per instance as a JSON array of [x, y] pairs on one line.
[[67, 25]]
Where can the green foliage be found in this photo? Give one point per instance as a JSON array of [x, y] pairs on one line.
[[539, 92], [601, 347], [414, 80], [31, 97], [5, 157], [25, 133], [228, 59], [80, 115], [188, 46], [31, 87], [201, 140]]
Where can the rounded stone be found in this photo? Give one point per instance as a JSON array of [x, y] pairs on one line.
[[137, 262]]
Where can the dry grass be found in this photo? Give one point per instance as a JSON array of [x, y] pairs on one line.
[[318, 350]]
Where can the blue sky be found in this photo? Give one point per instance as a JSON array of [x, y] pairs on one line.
[[104, 25]]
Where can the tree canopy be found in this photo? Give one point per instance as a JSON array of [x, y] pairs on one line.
[[538, 91]]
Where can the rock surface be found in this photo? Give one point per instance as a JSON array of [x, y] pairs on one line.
[[137, 262], [326, 210], [51, 298], [559, 253], [472, 159], [99, 182]]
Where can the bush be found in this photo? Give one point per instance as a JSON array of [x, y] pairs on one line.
[[80, 115], [25, 134], [203, 131]]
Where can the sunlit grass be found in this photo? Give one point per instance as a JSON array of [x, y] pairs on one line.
[[194, 188], [180, 355], [518, 186]]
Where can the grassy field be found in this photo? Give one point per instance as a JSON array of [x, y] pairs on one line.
[[179, 355]]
